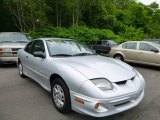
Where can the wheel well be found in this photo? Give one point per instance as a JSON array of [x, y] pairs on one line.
[[53, 76], [118, 54]]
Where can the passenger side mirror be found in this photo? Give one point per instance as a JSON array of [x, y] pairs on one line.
[[155, 50], [39, 54]]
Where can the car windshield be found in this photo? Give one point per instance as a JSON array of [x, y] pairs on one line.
[[157, 45], [13, 37], [68, 48]]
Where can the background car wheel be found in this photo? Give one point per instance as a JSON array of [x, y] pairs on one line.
[[20, 68], [61, 96], [119, 57]]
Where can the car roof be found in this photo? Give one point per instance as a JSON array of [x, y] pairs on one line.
[[7, 33], [137, 41], [52, 38], [152, 39]]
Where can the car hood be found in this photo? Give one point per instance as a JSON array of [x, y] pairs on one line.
[[101, 67], [12, 45]]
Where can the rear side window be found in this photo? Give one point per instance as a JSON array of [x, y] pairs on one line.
[[28, 47], [130, 45]]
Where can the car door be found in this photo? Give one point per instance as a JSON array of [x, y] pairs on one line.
[[38, 64], [130, 51], [146, 54], [25, 59]]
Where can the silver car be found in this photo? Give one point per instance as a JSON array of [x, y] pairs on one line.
[[10, 43], [79, 79]]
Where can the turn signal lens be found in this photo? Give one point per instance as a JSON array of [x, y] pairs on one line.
[[79, 100], [96, 105], [1, 51]]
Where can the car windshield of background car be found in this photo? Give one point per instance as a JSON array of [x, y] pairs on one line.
[[13, 38]]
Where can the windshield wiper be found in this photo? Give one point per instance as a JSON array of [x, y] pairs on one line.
[[83, 54], [5, 41], [64, 55]]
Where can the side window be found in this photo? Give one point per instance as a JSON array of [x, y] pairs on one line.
[[28, 47], [38, 45], [146, 47], [129, 45], [105, 43]]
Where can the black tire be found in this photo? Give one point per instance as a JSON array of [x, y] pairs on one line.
[[20, 69], [119, 57], [66, 107], [0, 64]]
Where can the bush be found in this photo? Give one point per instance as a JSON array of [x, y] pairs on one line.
[[133, 34], [80, 33]]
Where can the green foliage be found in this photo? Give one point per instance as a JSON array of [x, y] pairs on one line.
[[80, 33], [84, 20], [132, 33]]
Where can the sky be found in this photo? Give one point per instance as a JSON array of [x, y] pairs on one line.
[[147, 2]]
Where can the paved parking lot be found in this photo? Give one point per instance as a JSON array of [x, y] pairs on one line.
[[23, 99]]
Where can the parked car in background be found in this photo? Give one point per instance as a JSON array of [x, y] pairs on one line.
[[153, 40], [80, 80], [10, 43], [103, 46], [137, 52]]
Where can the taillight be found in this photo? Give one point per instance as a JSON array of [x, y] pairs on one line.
[[1, 51]]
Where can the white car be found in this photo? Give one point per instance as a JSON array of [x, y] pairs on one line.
[[10, 43], [79, 79]]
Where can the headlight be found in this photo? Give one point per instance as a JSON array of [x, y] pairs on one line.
[[136, 72], [103, 84]]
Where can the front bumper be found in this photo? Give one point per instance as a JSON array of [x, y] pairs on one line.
[[106, 106], [8, 60]]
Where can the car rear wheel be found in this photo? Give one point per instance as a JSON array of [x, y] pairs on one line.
[[61, 96], [20, 67], [119, 57]]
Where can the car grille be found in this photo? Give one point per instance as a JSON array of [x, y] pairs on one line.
[[15, 49], [117, 105], [121, 82], [124, 81]]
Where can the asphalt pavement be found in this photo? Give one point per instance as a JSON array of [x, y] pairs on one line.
[[23, 99]]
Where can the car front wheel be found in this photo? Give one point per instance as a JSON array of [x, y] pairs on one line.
[[61, 96], [20, 67]]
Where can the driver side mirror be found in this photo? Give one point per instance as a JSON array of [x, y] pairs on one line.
[[39, 54], [155, 50]]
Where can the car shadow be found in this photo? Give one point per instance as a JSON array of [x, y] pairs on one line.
[[149, 67]]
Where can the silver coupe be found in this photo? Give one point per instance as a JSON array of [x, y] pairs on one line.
[[79, 79]]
